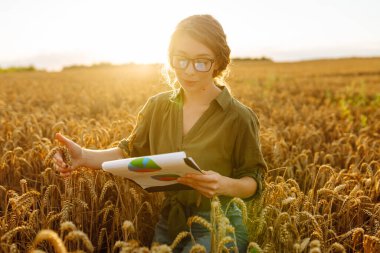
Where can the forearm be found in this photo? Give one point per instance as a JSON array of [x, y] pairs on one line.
[[94, 158], [242, 188]]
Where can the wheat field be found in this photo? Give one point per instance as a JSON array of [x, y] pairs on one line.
[[320, 136]]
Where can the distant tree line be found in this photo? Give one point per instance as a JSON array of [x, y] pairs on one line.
[[18, 69], [107, 64], [263, 58], [95, 65]]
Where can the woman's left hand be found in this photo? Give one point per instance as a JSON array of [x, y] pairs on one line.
[[209, 184]]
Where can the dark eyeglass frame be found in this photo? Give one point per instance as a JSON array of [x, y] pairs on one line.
[[192, 60]]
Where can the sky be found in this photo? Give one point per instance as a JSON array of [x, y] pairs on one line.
[[51, 34]]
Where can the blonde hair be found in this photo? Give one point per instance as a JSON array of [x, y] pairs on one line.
[[208, 31]]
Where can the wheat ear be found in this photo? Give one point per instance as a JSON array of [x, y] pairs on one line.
[[52, 237]]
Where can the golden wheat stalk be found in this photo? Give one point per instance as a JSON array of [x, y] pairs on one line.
[[128, 229], [198, 248], [67, 226], [161, 249], [199, 220], [52, 237], [179, 238], [11, 233], [224, 241], [78, 235], [65, 155], [254, 247]]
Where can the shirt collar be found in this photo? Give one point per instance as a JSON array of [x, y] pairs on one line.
[[223, 99]]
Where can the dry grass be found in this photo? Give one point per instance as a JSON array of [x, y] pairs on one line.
[[320, 136]]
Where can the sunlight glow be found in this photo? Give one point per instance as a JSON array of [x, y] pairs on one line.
[[52, 34]]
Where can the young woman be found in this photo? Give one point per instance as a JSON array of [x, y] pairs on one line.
[[201, 118]]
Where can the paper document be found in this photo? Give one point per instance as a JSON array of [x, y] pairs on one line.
[[155, 172]]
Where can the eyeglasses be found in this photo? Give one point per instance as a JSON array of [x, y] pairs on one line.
[[199, 64]]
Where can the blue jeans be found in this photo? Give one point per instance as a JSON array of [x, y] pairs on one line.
[[201, 234]]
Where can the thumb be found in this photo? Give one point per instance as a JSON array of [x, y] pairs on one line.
[[62, 139], [74, 149]]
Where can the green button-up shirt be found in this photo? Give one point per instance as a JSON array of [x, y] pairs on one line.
[[225, 139]]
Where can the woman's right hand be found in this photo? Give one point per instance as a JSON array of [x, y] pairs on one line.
[[76, 153]]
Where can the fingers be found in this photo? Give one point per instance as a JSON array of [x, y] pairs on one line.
[[58, 160], [204, 190], [74, 149], [197, 184], [62, 139], [65, 174], [59, 137], [206, 178], [61, 167]]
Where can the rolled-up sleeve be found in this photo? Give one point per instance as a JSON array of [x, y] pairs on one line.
[[249, 161], [137, 143]]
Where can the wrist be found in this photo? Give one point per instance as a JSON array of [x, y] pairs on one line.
[[84, 155], [226, 185]]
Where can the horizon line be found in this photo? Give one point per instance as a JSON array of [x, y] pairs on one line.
[[238, 58]]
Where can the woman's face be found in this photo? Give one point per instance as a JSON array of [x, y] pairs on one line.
[[187, 48]]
